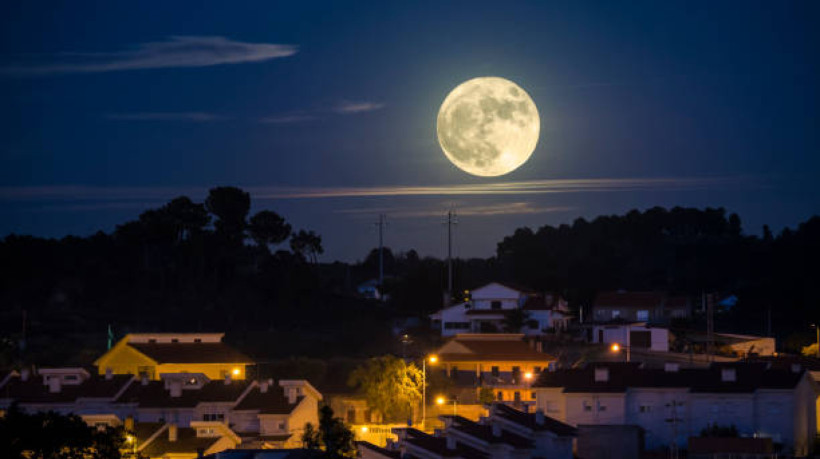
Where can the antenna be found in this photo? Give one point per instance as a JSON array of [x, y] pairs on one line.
[[451, 220], [381, 224]]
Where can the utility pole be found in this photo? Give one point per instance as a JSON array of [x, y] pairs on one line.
[[381, 224], [451, 220], [710, 325]]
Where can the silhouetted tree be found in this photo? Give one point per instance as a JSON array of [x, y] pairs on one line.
[[307, 244], [231, 206], [267, 227], [333, 436]]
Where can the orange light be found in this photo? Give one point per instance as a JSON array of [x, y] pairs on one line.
[[440, 400], [433, 359], [364, 429], [615, 347], [528, 375], [236, 371]]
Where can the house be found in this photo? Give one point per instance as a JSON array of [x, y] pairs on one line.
[[271, 418], [505, 433], [153, 354], [637, 335], [169, 441], [673, 404], [505, 363], [487, 307], [260, 413], [651, 307]]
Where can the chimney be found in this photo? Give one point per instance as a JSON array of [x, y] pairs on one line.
[[539, 417], [263, 387], [496, 429], [290, 392], [109, 374], [176, 388], [602, 374], [728, 375], [671, 367], [129, 423], [172, 432], [451, 442], [144, 380], [24, 374], [54, 384], [227, 379]]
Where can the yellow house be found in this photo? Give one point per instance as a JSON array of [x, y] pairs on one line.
[[152, 354], [505, 363]]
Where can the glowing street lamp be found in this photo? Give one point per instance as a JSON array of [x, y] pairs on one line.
[[441, 401], [617, 347], [433, 360]]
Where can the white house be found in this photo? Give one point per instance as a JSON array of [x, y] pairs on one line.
[[488, 306], [674, 404], [637, 335]]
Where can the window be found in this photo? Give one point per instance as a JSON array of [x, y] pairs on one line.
[[645, 409], [281, 426], [152, 340], [147, 371], [587, 406], [516, 373], [456, 325], [643, 315], [495, 305], [190, 382], [351, 416], [495, 371], [536, 370], [616, 313], [368, 416], [197, 340], [174, 340], [532, 395], [601, 407], [517, 396], [500, 396]]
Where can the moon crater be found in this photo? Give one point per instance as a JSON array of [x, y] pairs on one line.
[[488, 126]]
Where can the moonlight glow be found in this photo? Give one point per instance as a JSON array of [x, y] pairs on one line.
[[488, 126]]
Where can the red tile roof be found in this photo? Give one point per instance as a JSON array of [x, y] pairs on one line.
[[35, 391], [271, 402], [154, 394], [191, 353], [186, 442]]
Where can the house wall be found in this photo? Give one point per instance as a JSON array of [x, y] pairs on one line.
[[659, 337], [125, 360], [307, 411], [455, 315], [482, 298], [654, 410], [604, 408], [245, 421]]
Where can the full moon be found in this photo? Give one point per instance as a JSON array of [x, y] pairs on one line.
[[488, 126]]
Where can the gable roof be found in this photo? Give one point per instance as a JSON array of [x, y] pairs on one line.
[[484, 432], [155, 395], [34, 390], [438, 445], [271, 402], [748, 378], [490, 348], [530, 420], [186, 442], [191, 353]]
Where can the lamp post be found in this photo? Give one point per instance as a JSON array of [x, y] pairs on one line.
[[441, 401], [433, 359], [617, 347]]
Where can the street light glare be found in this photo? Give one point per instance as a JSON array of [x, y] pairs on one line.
[[433, 359], [528, 375], [440, 400], [615, 347]]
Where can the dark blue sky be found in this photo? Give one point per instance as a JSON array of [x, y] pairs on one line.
[[110, 108]]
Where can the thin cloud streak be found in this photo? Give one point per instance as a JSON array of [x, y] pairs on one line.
[[175, 52], [198, 117], [531, 187], [350, 108], [286, 119], [502, 209]]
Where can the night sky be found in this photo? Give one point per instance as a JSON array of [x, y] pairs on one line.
[[326, 112]]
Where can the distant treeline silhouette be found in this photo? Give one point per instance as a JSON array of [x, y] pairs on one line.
[[212, 266]]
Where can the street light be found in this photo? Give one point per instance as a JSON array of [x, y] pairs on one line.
[[433, 359], [617, 347], [441, 401]]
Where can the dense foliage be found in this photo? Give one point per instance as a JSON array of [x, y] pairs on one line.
[[391, 386], [51, 435], [333, 437]]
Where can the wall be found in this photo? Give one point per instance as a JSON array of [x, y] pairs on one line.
[[609, 442]]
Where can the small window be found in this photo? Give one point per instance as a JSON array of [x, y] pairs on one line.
[[601, 407], [500, 396], [517, 396], [532, 395], [281, 426], [645, 409], [174, 340], [587, 406], [152, 341], [495, 371], [643, 315], [197, 340], [616, 313], [495, 305]]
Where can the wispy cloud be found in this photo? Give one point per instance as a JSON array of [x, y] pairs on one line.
[[350, 108], [490, 210], [286, 119], [532, 187], [198, 117], [175, 52]]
